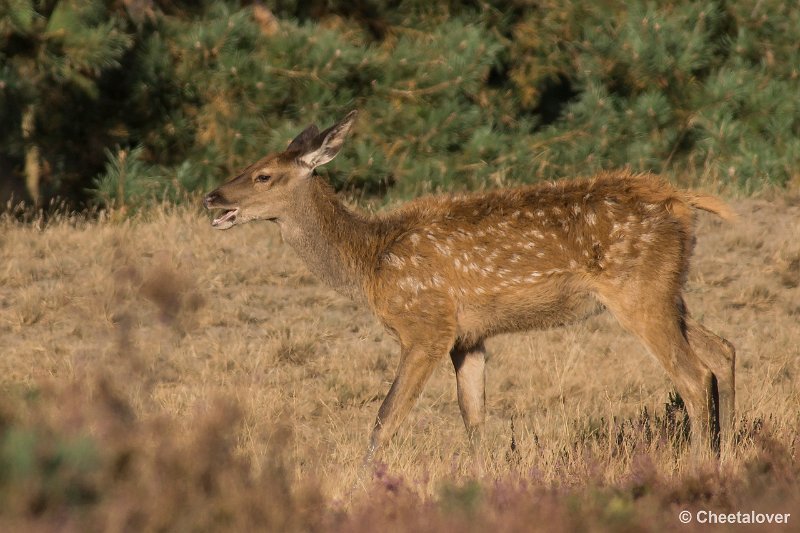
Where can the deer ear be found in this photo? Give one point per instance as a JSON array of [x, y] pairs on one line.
[[327, 144], [299, 143]]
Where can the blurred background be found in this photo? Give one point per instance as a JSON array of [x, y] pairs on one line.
[[127, 102]]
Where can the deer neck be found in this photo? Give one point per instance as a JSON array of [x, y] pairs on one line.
[[337, 245]]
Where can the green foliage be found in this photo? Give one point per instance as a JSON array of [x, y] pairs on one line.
[[683, 88], [16, 15], [55, 57], [453, 95], [57, 469], [128, 179], [462, 500]]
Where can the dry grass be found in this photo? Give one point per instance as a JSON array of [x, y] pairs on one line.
[[157, 374]]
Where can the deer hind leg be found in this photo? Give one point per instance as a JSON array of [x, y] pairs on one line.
[[416, 365], [658, 321], [470, 365], [719, 356]]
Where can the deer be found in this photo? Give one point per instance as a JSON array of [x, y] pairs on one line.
[[443, 273]]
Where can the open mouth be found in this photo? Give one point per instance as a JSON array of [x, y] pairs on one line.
[[226, 219]]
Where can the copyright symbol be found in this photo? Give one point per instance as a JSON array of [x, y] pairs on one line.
[[685, 517]]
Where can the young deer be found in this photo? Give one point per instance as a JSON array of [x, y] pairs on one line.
[[443, 273]]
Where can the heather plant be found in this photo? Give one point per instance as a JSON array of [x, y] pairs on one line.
[[78, 456]]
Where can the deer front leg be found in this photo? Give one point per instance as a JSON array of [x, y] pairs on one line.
[[416, 366]]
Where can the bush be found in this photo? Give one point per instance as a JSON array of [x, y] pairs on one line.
[[453, 95]]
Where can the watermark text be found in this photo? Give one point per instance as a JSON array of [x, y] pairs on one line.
[[704, 516]]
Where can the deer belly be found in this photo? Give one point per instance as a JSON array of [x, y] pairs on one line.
[[520, 311]]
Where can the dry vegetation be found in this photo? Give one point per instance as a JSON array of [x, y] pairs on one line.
[[156, 374]]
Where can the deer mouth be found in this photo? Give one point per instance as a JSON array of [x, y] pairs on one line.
[[226, 219]]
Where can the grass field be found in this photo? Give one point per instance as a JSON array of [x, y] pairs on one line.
[[159, 375]]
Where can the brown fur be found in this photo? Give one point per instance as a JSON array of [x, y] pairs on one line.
[[443, 273]]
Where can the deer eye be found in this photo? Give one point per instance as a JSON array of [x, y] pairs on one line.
[[263, 178]]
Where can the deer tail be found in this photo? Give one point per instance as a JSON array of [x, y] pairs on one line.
[[712, 204]]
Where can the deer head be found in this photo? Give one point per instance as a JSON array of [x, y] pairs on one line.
[[263, 191]]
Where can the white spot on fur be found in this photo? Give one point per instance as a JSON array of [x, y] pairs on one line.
[[442, 248], [414, 238], [395, 261], [411, 284], [591, 218]]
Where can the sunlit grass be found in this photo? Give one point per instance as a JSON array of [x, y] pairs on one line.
[[156, 374]]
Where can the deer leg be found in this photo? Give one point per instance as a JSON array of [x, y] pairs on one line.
[[719, 356], [660, 326], [416, 366], [470, 365]]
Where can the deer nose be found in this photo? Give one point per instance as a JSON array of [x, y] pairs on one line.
[[210, 199]]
